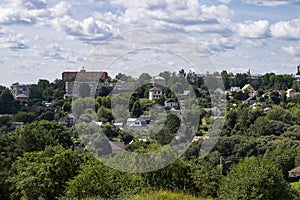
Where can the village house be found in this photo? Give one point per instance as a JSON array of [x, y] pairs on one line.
[[155, 93], [171, 103], [69, 120], [291, 93], [249, 88], [136, 122]]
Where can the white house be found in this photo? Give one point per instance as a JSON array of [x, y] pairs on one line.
[[249, 88], [155, 93], [291, 93], [119, 125], [235, 89], [136, 122], [171, 103]]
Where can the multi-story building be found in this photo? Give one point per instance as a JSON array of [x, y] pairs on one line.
[[20, 91], [66, 76]]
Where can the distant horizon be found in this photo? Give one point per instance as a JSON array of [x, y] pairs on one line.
[[59, 78]]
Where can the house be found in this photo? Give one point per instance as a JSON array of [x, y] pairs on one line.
[[291, 93], [18, 89], [158, 81], [249, 88], [123, 87], [186, 94], [294, 175], [171, 103], [214, 110], [97, 123], [251, 100], [235, 89], [267, 109], [219, 91], [155, 93], [136, 122], [69, 120], [118, 125], [16, 125], [117, 146], [23, 98]]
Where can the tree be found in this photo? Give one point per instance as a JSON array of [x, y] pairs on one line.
[[136, 110], [8, 105], [255, 179], [26, 117], [103, 91], [104, 114], [84, 90], [43, 174], [96, 179]]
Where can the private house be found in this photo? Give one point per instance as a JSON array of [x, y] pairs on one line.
[[251, 100], [117, 146], [118, 125], [171, 103], [136, 122], [186, 94], [291, 93], [214, 110], [235, 89], [155, 93], [69, 120], [249, 88], [16, 125], [219, 91], [123, 87], [294, 175]]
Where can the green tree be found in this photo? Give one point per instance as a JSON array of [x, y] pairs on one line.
[[136, 110], [96, 179], [104, 114], [8, 105], [43, 174], [26, 117], [255, 179]]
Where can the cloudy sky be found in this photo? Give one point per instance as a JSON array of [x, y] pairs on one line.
[[42, 38]]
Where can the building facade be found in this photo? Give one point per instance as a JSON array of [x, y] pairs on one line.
[[20, 91], [66, 76]]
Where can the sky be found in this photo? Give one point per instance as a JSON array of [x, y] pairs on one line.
[[39, 39]]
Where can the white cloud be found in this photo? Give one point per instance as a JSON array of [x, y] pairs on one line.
[[293, 50], [88, 29], [61, 9], [286, 29], [253, 29], [225, 1], [272, 3]]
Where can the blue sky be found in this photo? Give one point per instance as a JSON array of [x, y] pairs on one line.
[[42, 38]]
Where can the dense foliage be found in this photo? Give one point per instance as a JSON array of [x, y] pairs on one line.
[[259, 144]]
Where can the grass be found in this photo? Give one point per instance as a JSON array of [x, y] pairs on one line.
[[160, 195]]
